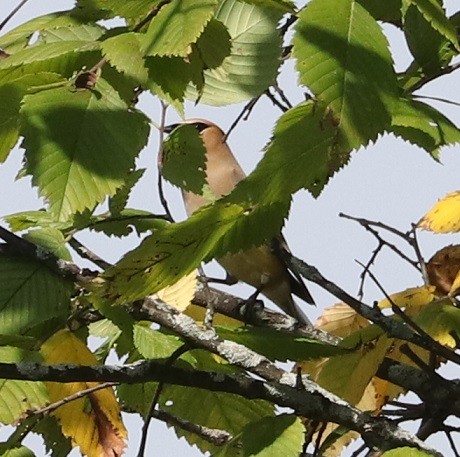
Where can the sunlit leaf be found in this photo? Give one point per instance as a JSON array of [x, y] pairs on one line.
[[94, 423], [79, 158], [410, 298], [444, 216], [343, 58], [340, 320]]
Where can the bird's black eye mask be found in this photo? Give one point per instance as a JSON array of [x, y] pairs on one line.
[[200, 126]]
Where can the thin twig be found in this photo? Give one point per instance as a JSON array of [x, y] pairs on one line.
[[244, 114], [170, 362], [319, 436], [429, 78], [161, 194], [368, 265], [437, 99], [13, 12], [452, 443], [281, 93], [86, 253], [276, 102]]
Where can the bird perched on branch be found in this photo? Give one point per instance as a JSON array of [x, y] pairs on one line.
[[260, 266]]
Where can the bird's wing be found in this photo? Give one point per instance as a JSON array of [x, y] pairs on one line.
[[298, 287]]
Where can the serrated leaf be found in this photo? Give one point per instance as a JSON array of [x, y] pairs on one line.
[[444, 216], [341, 320], [78, 159], [184, 159], [177, 249], [29, 295], [440, 320], [300, 155], [268, 437], [29, 219], [129, 9], [388, 11], [424, 126], [285, 6], [348, 375], [124, 53], [16, 451], [413, 297], [213, 44], [11, 95], [123, 223], [18, 37], [405, 452], [343, 58], [177, 25], [181, 293], [431, 50], [18, 397], [152, 344], [213, 409], [254, 59], [94, 423], [279, 346], [57, 445], [118, 202], [50, 239], [83, 32], [433, 12]]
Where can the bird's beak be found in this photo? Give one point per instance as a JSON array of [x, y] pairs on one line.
[[170, 128]]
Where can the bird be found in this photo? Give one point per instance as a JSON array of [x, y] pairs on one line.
[[261, 266]]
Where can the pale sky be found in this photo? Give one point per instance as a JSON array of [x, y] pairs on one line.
[[390, 181]]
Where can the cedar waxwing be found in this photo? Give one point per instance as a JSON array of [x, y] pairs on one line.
[[259, 266]]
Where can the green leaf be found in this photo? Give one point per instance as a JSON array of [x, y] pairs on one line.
[[17, 451], [18, 38], [122, 224], [62, 57], [80, 145], [213, 44], [152, 344], [268, 437], [431, 50], [175, 250], [277, 345], [284, 6], [184, 159], [405, 452], [51, 239], [28, 219], [388, 11], [212, 409], [29, 295], [177, 26], [129, 9], [302, 154], [433, 12], [17, 397], [348, 375], [254, 60], [124, 53], [424, 126], [11, 95], [118, 202], [343, 58], [57, 445], [83, 32]]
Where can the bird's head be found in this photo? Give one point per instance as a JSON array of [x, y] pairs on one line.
[[211, 134]]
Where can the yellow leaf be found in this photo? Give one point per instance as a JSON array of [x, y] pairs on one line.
[[93, 422], [443, 268], [348, 375], [181, 293], [341, 320], [455, 288], [440, 319], [198, 312], [412, 297], [444, 216]]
